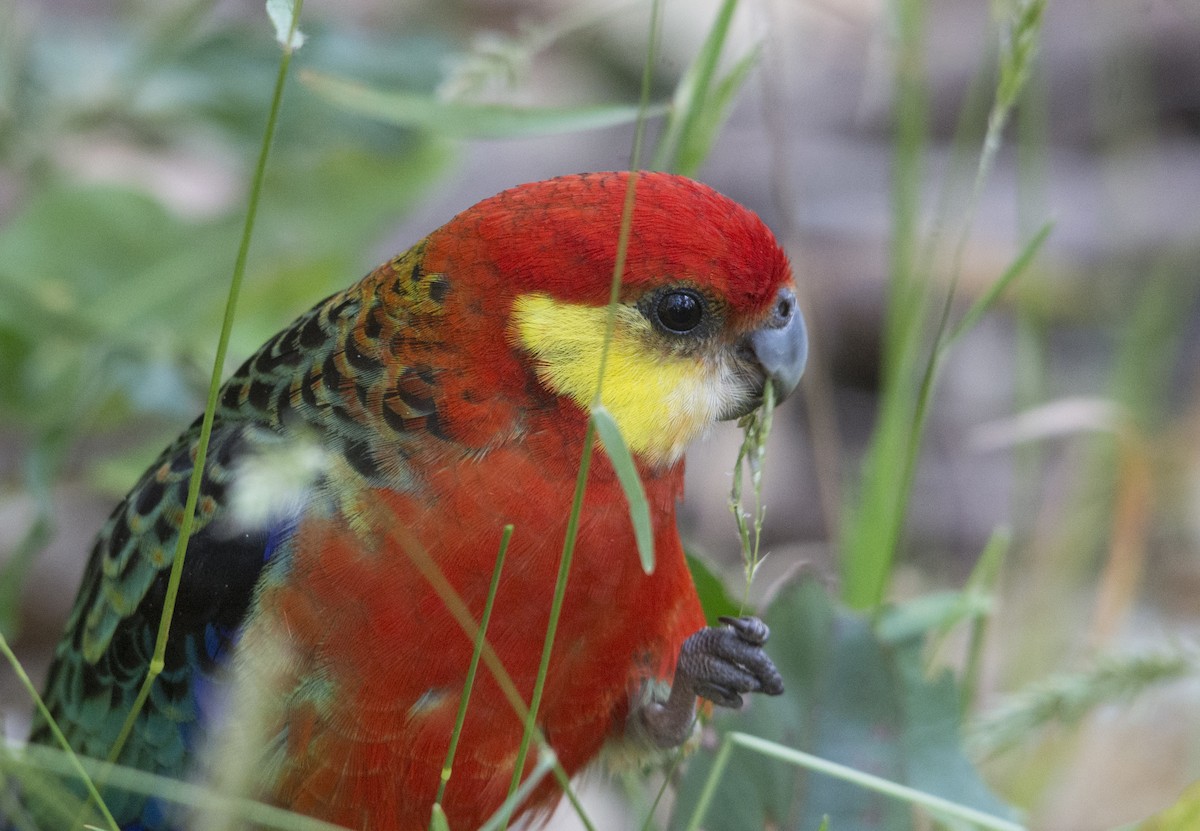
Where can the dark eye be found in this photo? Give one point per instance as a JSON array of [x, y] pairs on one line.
[[680, 311]]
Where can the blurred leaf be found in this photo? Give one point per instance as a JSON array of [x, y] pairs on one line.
[[928, 612], [1184, 815], [104, 282], [696, 142], [698, 108], [17, 564], [461, 120], [223, 80], [283, 17], [714, 599], [72, 244], [1067, 698], [852, 699], [89, 271]]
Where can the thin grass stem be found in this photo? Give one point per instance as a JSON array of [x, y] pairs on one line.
[[189, 510], [668, 774], [934, 804], [469, 685], [572, 534], [720, 761], [556, 604], [198, 797], [403, 539], [76, 766], [546, 762]]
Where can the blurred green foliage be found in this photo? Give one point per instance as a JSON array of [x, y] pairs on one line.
[[853, 697], [113, 292], [113, 297]]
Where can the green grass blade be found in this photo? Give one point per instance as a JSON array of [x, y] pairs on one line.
[[696, 141], [982, 581], [556, 604], [465, 120], [691, 95], [720, 761], [438, 821], [631, 484], [400, 538], [547, 762], [572, 534], [185, 529], [196, 797], [873, 526], [869, 537], [472, 668], [934, 804], [76, 767], [988, 299]]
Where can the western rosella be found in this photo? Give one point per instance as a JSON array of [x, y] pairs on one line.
[[440, 398]]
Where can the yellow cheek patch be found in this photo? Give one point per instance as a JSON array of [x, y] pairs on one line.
[[660, 401]]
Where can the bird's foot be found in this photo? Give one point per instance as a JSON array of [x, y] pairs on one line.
[[718, 663]]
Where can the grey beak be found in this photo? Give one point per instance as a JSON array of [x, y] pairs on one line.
[[781, 344]]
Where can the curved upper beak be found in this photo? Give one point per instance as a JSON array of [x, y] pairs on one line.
[[780, 344]]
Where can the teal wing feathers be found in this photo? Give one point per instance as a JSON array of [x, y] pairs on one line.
[[103, 658], [333, 377]]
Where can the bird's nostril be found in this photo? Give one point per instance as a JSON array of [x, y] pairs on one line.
[[783, 309]]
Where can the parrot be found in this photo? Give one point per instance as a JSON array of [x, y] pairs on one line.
[[366, 460]]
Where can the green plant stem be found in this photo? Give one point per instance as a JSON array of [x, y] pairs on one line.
[[402, 539], [189, 510], [556, 604], [694, 87], [869, 536], [668, 776], [975, 605], [76, 766], [448, 766], [878, 523], [934, 804], [635, 160], [752, 453], [710, 784], [198, 797], [572, 534], [546, 762]]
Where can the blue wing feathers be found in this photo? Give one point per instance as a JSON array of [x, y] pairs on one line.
[[100, 666], [104, 656]]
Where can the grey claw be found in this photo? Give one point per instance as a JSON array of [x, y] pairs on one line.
[[722, 696], [723, 662], [750, 629], [718, 663]]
